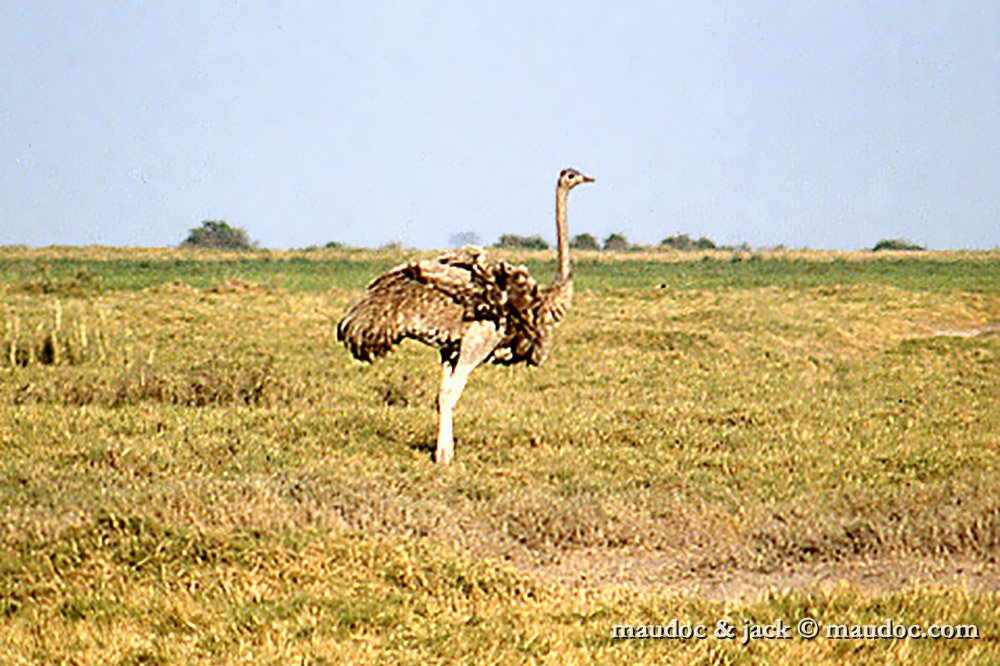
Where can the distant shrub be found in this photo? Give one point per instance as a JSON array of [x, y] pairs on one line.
[[680, 242], [514, 241], [217, 234], [742, 247], [683, 243], [584, 242], [332, 245], [616, 242], [896, 244]]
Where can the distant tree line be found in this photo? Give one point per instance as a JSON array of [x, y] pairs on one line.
[[218, 234], [684, 243], [617, 242]]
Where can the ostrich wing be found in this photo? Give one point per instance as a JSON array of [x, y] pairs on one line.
[[531, 320], [432, 301]]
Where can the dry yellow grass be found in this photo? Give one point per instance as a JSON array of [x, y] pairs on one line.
[[199, 474]]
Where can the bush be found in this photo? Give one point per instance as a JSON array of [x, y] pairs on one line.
[[896, 244], [742, 247], [584, 242], [616, 243], [332, 245], [218, 234], [513, 241], [683, 243], [680, 242]]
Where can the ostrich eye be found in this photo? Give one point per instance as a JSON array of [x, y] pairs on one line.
[[570, 176]]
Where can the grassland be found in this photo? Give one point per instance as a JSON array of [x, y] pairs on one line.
[[194, 471]]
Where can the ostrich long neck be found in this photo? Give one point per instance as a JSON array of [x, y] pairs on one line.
[[562, 234]]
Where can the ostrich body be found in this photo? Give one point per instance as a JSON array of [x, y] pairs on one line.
[[474, 311]]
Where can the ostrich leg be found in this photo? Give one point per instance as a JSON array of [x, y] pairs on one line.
[[445, 440], [479, 341]]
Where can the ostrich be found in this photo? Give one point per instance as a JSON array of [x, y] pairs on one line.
[[472, 310]]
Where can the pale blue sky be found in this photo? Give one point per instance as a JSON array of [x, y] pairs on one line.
[[822, 124]]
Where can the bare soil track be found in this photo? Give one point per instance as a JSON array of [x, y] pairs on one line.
[[663, 573]]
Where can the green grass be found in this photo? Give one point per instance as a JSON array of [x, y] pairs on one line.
[[194, 471], [353, 270], [67, 275]]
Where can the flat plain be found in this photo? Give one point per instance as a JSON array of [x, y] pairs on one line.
[[193, 470]]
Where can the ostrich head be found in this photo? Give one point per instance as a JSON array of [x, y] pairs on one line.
[[570, 178]]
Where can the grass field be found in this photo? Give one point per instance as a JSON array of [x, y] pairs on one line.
[[194, 470]]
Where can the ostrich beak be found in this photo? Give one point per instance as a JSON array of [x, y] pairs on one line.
[[587, 179]]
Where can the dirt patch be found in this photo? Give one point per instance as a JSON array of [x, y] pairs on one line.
[[968, 332], [673, 573]]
